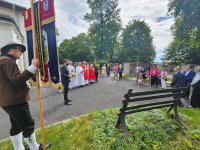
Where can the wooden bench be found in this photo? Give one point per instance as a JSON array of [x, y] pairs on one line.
[[149, 100]]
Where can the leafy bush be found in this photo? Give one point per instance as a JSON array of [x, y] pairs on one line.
[[148, 130], [106, 136], [151, 129], [101, 62], [195, 134], [125, 76]]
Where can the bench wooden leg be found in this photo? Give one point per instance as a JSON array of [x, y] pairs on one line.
[[118, 121], [123, 124], [170, 109], [177, 116]]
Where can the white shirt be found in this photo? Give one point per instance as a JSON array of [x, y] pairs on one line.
[[138, 69], [187, 72], [32, 69], [196, 79]]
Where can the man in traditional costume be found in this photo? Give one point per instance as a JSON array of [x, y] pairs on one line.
[[15, 96]]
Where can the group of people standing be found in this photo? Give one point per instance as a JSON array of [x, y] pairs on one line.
[[158, 77], [141, 75], [71, 77], [188, 78], [83, 75], [118, 70], [180, 79]]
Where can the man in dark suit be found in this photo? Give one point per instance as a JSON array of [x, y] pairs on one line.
[[65, 79], [189, 75], [178, 80]]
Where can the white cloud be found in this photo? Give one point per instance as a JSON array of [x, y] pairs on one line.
[[152, 12], [69, 17], [70, 13]]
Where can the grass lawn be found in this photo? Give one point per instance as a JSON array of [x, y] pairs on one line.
[[147, 130]]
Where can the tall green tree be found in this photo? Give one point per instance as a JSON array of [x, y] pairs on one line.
[[75, 49], [137, 43], [185, 31], [104, 28]]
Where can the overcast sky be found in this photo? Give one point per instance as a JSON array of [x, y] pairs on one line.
[[70, 13]]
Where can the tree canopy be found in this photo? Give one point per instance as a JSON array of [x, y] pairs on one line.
[[185, 46], [104, 28], [137, 43], [75, 49]]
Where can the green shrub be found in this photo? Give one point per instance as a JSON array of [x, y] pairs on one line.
[[187, 143], [125, 76], [102, 62], [106, 135], [195, 134], [151, 129], [148, 130]]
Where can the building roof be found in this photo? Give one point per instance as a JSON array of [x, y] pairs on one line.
[[12, 6], [10, 19]]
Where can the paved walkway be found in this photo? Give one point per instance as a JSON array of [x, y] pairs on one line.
[[106, 93]]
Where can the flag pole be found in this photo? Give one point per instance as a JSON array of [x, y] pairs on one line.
[[37, 76]]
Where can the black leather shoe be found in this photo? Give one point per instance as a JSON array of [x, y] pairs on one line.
[[48, 145], [66, 103], [69, 100]]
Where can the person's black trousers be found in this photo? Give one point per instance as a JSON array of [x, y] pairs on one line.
[[187, 93], [154, 80], [21, 120], [65, 92], [96, 74], [120, 75]]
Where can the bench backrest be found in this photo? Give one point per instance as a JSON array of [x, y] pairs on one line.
[[151, 99]]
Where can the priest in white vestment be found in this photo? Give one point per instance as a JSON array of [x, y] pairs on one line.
[[79, 76], [72, 74]]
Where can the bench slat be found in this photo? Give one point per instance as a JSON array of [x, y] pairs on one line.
[[149, 108], [150, 104], [153, 97], [156, 92]]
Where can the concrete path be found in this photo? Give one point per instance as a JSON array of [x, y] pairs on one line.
[[106, 93]]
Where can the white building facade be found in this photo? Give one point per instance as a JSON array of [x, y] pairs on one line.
[[12, 28]]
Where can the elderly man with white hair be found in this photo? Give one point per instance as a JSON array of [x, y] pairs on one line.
[[15, 96]]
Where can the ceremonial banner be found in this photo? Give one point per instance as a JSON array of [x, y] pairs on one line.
[[47, 36], [39, 45]]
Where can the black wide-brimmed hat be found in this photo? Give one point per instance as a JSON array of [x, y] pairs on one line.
[[10, 45]]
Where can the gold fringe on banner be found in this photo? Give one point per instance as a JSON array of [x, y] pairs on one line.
[[43, 22]]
